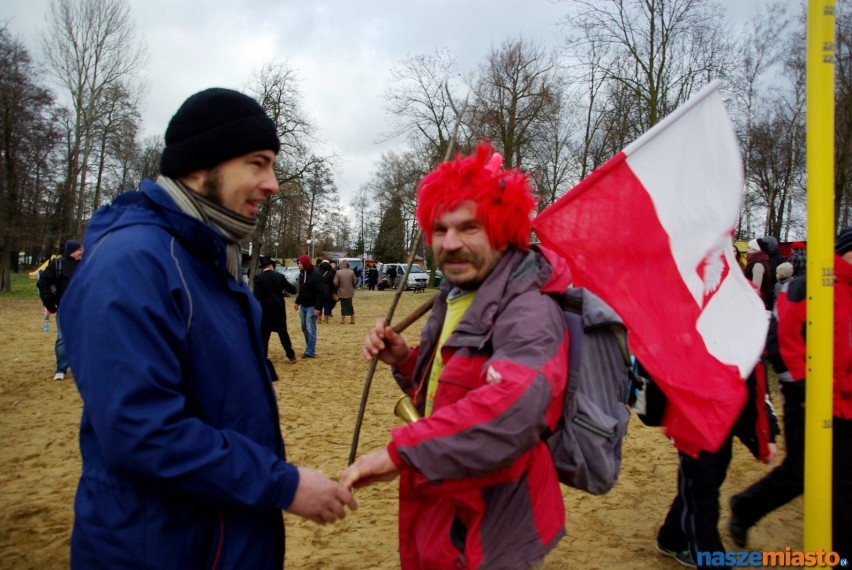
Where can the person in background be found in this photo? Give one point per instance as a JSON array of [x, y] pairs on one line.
[[184, 465], [769, 244], [269, 288], [798, 258], [478, 488], [757, 271], [372, 277], [309, 302], [786, 482], [392, 276], [327, 272], [345, 282], [692, 522], [783, 273], [51, 284]]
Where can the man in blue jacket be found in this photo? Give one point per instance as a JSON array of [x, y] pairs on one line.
[[184, 465]]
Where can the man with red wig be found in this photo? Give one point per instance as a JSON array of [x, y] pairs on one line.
[[477, 484]]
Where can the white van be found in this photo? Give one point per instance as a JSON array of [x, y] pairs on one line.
[[352, 261]]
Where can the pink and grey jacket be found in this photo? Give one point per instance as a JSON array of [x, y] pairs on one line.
[[478, 488], [792, 315]]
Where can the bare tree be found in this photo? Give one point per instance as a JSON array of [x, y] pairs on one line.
[[90, 48], [361, 205], [25, 131], [115, 130], [591, 91], [758, 53], [777, 158], [320, 194], [516, 95], [552, 155], [424, 103], [146, 159], [275, 85], [659, 51]]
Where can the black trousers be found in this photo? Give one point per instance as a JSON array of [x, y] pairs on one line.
[[785, 482], [283, 335], [841, 512], [692, 522]]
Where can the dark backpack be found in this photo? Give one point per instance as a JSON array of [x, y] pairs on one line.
[[586, 446]]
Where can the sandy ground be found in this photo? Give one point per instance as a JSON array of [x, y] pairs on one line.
[[40, 464]]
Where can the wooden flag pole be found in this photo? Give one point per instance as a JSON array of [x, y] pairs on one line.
[[423, 308]]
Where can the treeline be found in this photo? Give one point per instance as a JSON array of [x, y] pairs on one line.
[[620, 67]]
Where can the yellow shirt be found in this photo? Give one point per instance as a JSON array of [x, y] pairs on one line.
[[456, 308]]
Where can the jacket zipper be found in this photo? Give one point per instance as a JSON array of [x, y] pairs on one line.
[[585, 424], [221, 544]]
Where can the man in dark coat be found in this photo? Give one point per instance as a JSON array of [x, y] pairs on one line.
[[309, 303], [269, 287], [392, 276], [372, 277], [51, 285]]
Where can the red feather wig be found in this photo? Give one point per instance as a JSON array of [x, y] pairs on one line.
[[504, 200]]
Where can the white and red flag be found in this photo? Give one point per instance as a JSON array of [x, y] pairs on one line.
[[650, 233]]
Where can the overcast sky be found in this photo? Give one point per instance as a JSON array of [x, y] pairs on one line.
[[342, 50]]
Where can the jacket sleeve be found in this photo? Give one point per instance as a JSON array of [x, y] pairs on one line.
[[289, 287], [141, 406], [792, 305], [320, 288], [46, 285], [517, 393]]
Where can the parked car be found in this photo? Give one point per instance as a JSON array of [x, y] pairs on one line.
[[439, 277], [418, 278], [292, 275]]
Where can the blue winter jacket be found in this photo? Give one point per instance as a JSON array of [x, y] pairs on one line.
[[183, 461]]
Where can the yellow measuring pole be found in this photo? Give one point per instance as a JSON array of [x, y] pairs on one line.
[[820, 274]]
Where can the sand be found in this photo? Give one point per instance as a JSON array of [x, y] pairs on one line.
[[319, 399]]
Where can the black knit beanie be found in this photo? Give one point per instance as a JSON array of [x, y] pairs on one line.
[[213, 126], [71, 246], [844, 241]]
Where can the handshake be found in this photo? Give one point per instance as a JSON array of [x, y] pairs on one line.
[[323, 501]]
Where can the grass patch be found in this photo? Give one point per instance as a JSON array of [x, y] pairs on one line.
[[22, 287]]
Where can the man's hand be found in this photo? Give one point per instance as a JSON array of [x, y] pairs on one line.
[[50, 304], [773, 453], [370, 468], [320, 499], [385, 344]]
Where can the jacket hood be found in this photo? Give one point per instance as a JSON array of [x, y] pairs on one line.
[[770, 245], [135, 208], [305, 260]]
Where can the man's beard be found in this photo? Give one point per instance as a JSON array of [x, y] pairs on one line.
[[211, 187]]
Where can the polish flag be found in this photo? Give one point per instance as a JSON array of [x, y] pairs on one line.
[[650, 232]]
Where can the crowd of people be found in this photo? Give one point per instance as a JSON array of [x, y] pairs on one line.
[[184, 464]]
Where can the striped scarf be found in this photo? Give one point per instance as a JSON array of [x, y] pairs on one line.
[[233, 226]]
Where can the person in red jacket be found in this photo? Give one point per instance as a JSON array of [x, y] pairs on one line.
[[478, 488], [786, 481]]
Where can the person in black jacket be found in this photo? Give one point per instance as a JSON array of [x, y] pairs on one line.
[[309, 303], [52, 283], [328, 272], [691, 524], [269, 287], [372, 277], [392, 276]]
